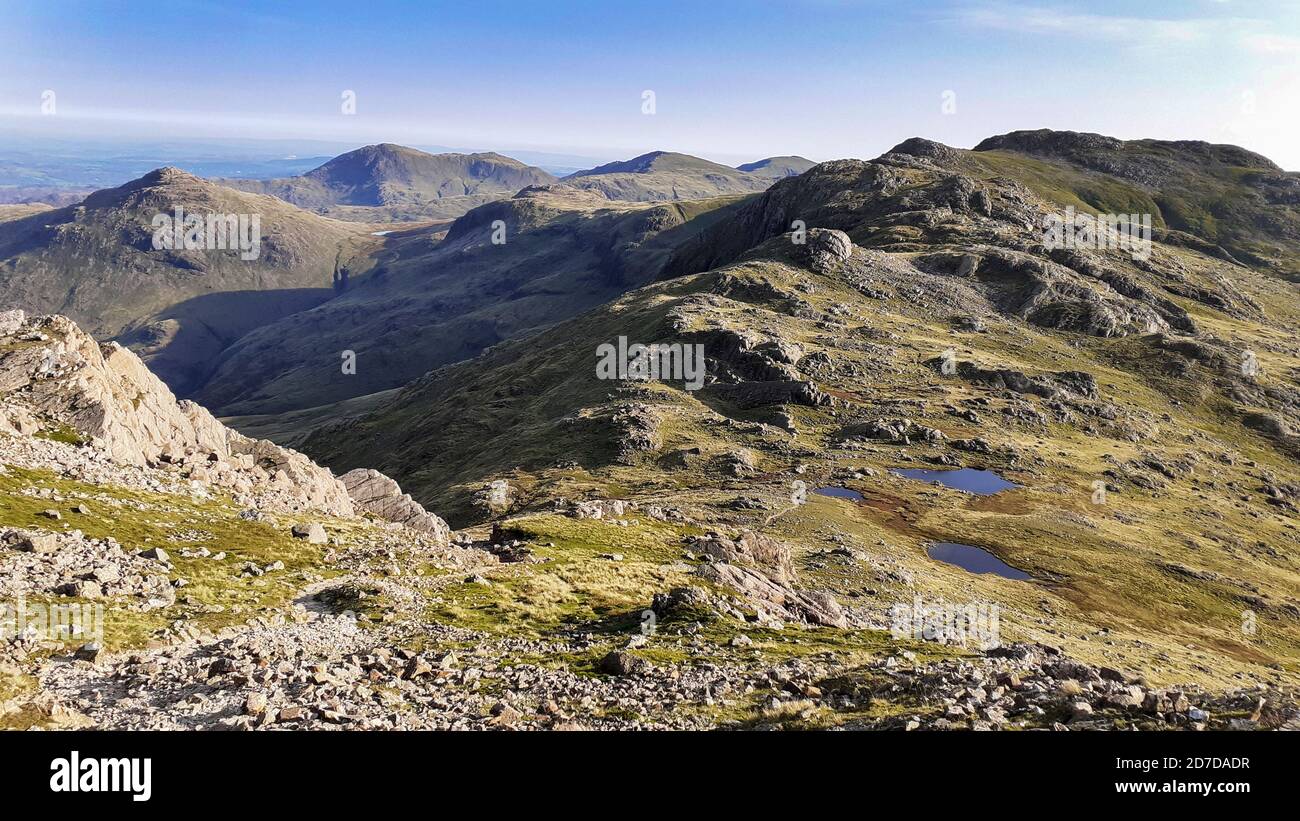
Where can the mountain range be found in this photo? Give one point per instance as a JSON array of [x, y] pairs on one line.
[[875, 336], [96, 263], [923, 324], [381, 182], [185, 311]]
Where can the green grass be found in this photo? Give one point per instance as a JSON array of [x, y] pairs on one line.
[[575, 589], [145, 520], [61, 433]]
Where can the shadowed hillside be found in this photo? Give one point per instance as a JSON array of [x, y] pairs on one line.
[[95, 262]]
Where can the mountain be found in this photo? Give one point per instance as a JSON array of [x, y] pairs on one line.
[[55, 196], [663, 175], [787, 535], [1143, 408], [389, 181], [777, 168], [432, 300], [96, 263], [1221, 197]]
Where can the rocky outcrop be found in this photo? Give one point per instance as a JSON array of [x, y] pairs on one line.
[[55, 378], [750, 370], [761, 570], [902, 431], [1096, 301], [1056, 385], [774, 601], [762, 552], [11, 321], [599, 509], [824, 249], [929, 149], [747, 395], [374, 492]]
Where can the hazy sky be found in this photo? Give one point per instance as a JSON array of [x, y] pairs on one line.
[[732, 80]]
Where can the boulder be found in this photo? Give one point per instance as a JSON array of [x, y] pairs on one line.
[[313, 533], [11, 321], [825, 249], [769, 555], [38, 542], [619, 663], [372, 491]]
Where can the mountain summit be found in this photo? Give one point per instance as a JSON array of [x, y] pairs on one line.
[[97, 263], [777, 168], [401, 179], [665, 175]]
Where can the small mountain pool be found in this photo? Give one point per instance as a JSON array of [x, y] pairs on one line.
[[979, 482], [974, 559], [839, 493]]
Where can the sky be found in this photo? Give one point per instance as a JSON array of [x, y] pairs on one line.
[[731, 81]]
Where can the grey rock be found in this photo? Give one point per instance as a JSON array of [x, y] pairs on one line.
[[313, 533], [376, 493]]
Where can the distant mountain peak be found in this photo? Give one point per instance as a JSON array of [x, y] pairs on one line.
[[666, 175], [648, 163], [395, 176], [777, 168], [1078, 146]]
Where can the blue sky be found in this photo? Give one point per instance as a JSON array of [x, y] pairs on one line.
[[732, 80]]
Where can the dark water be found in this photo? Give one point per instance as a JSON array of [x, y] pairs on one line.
[[974, 559], [979, 482], [839, 493]]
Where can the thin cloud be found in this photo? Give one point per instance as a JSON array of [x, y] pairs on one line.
[[1249, 35], [1121, 29], [1271, 44]]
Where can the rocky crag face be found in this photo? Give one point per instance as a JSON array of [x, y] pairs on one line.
[[443, 294], [58, 379]]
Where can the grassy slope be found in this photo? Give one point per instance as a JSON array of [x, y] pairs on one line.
[[1108, 593]]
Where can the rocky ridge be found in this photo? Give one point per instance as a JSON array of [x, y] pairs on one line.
[[56, 379]]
